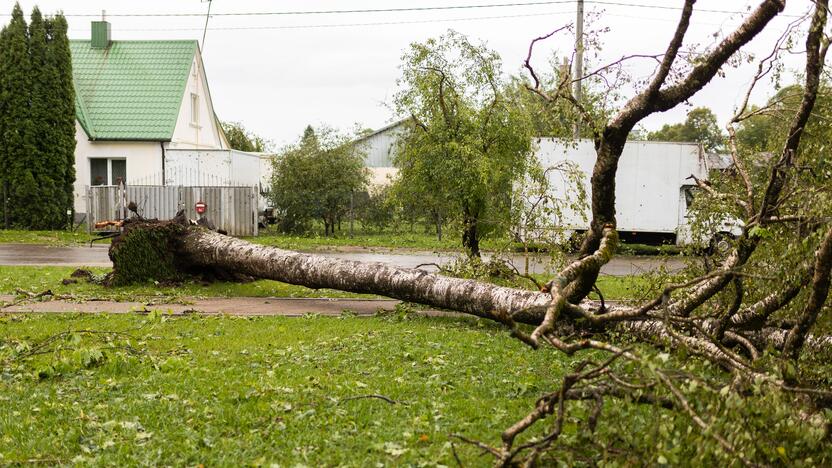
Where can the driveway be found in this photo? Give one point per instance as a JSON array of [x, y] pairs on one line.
[[96, 256]]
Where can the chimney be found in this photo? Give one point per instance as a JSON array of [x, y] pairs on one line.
[[100, 33]]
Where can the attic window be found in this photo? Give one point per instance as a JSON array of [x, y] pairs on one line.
[[194, 109]]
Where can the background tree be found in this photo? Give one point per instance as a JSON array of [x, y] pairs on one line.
[[61, 119], [375, 208], [39, 161], [700, 126], [764, 130], [554, 118], [316, 178], [420, 197], [18, 142], [243, 140], [37, 111], [469, 142]]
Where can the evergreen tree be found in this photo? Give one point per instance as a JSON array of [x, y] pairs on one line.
[[62, 117], [39, 161], [4, 40], [37, 122], [17, 139]]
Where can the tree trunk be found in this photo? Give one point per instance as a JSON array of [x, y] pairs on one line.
[[438, 217], [165, 250], [201, 249], [470, 236]]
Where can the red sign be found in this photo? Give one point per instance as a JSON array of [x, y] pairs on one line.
[[200, 207]]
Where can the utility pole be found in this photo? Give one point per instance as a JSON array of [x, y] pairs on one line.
[[205, 29], [579, 61]]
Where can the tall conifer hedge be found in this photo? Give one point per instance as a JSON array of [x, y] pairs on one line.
[[37, 122]]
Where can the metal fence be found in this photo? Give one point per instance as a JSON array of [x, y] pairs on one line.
[[233, 209]]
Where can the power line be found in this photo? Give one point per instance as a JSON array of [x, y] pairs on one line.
[[411, 9], [340, 25], [333, 12]]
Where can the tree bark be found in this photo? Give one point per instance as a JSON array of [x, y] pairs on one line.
[[195, 249], [817, 298], [470, 234], [204, 249]]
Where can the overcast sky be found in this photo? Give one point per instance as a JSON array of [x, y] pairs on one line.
[[278, 73]]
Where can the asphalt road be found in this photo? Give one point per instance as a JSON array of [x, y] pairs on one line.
[[40, 255]]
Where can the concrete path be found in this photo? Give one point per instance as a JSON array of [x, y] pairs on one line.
[[289, 307], [39, 255]]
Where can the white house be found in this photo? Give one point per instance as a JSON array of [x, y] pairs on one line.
[[135, 101]]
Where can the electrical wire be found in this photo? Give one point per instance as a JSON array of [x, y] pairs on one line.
[[340, 25], [332, 12], [410, 9]]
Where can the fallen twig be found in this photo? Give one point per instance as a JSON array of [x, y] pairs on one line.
[[374, 395]]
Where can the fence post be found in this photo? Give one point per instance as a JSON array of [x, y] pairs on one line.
[[90, 220], [255, 203], [123, 199]]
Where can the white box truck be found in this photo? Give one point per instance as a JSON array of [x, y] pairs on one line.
[[653, 188]]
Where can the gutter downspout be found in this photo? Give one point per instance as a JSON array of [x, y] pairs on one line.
[[162, 145]]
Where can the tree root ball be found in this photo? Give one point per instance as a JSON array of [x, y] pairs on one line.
[[146, 251]]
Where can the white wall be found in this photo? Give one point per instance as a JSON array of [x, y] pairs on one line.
[[205, 135], [144, 160], [382, 176], [380, 147], [266, 171], [211, 167], [648, 185]]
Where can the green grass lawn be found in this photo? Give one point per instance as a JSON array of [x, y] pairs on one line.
[[36, 279], [233, 391], [53, 238], [415, 241], [256, 391]]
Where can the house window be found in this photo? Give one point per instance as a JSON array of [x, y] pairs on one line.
[[194, 109], [107, 171]]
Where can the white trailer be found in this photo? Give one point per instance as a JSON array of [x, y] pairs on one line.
[[653, 186]]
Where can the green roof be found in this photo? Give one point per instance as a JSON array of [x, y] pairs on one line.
[[131, 90]]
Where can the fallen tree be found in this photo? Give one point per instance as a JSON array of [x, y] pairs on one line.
[[754, 315], [174, 250], [170, 251]]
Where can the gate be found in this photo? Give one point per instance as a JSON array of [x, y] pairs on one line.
[[233, 209]]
